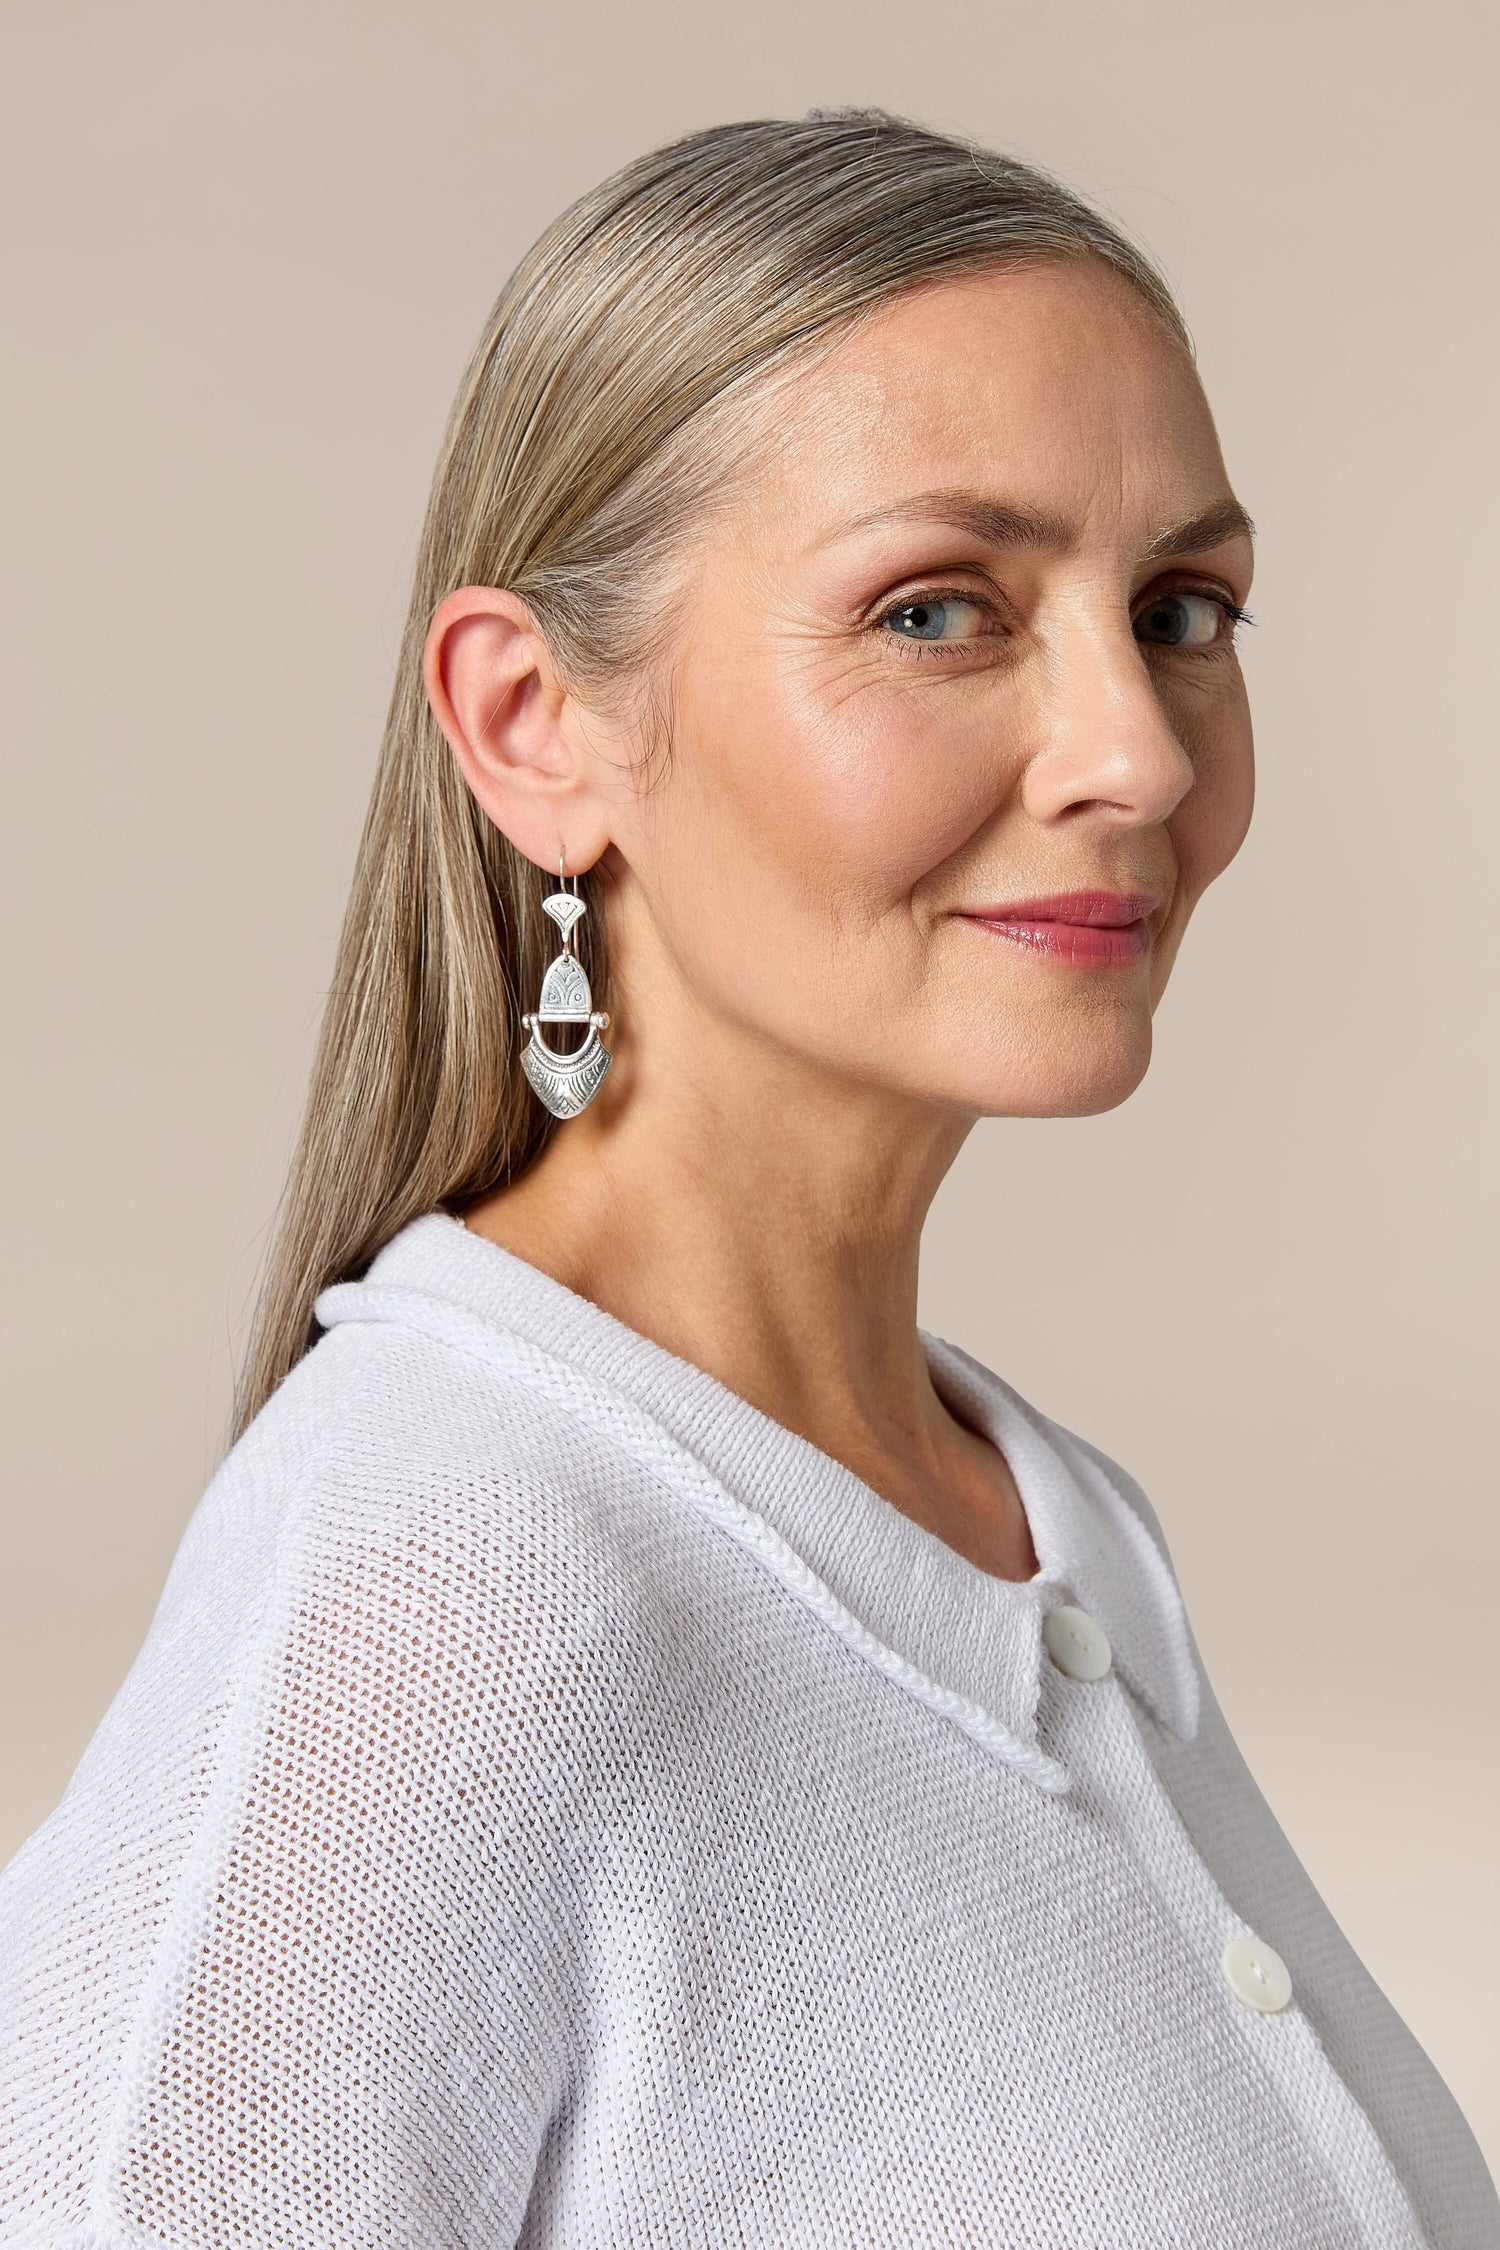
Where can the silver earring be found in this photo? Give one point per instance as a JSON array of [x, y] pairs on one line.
[[566, 1083]]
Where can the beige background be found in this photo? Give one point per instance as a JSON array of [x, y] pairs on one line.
[[255, 242]]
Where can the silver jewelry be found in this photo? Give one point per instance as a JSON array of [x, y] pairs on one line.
[[566, 1083]]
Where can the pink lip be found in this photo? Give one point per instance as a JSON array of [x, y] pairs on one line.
[[1088, 929]]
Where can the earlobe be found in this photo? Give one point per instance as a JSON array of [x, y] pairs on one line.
[[502, 706]]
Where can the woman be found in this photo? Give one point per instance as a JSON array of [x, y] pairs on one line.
[[641, 1745]]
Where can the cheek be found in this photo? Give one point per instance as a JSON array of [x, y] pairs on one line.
[[797, 819], [856, 791]]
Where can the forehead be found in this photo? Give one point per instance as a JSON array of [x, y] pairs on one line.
[[1055, 383]]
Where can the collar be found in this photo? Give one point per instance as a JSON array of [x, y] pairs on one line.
[[965, 1642]]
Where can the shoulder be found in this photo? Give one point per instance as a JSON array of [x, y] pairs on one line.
[[331, 1805], [425, 1495], [408, 1599]]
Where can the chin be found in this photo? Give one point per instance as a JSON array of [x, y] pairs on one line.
[[1071, 1078]]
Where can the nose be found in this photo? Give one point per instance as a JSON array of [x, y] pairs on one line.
[[1106, 745]]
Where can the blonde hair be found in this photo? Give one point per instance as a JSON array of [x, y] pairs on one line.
[[585, 439]]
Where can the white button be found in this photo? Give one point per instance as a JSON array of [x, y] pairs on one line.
[[1256, 1974], [1075, 1643]]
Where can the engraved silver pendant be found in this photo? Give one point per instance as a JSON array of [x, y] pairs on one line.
[[566, 1083]]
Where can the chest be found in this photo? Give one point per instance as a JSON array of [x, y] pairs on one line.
[[852, 1981]]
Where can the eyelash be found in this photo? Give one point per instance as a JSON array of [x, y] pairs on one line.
[[924, 649]]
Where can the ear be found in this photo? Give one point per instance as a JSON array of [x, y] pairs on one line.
[[513, 727]]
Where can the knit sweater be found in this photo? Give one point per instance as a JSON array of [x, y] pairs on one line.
[[556, 1805]]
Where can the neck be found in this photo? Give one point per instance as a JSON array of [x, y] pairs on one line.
[[759, 1219]]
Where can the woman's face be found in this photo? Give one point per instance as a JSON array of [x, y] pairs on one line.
[[959, 730]]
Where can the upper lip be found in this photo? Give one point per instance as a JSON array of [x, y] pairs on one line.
[[1094, 910]]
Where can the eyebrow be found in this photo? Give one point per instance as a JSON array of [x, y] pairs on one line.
[[1004, 524]]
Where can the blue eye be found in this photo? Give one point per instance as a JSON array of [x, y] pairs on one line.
[[941, 617], [1186, 620]]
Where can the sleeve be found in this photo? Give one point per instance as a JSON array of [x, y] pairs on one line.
[[293, 1962]]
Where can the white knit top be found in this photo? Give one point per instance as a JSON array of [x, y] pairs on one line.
[[556, 1805]]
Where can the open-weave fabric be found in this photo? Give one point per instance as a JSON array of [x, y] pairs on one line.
[[555, 1805]]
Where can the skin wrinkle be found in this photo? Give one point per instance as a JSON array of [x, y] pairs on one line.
[[808, 1021]]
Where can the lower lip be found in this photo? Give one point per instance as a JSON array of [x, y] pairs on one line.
[[1083, 945]]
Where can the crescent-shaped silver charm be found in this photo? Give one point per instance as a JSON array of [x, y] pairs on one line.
[[566, 1083]]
